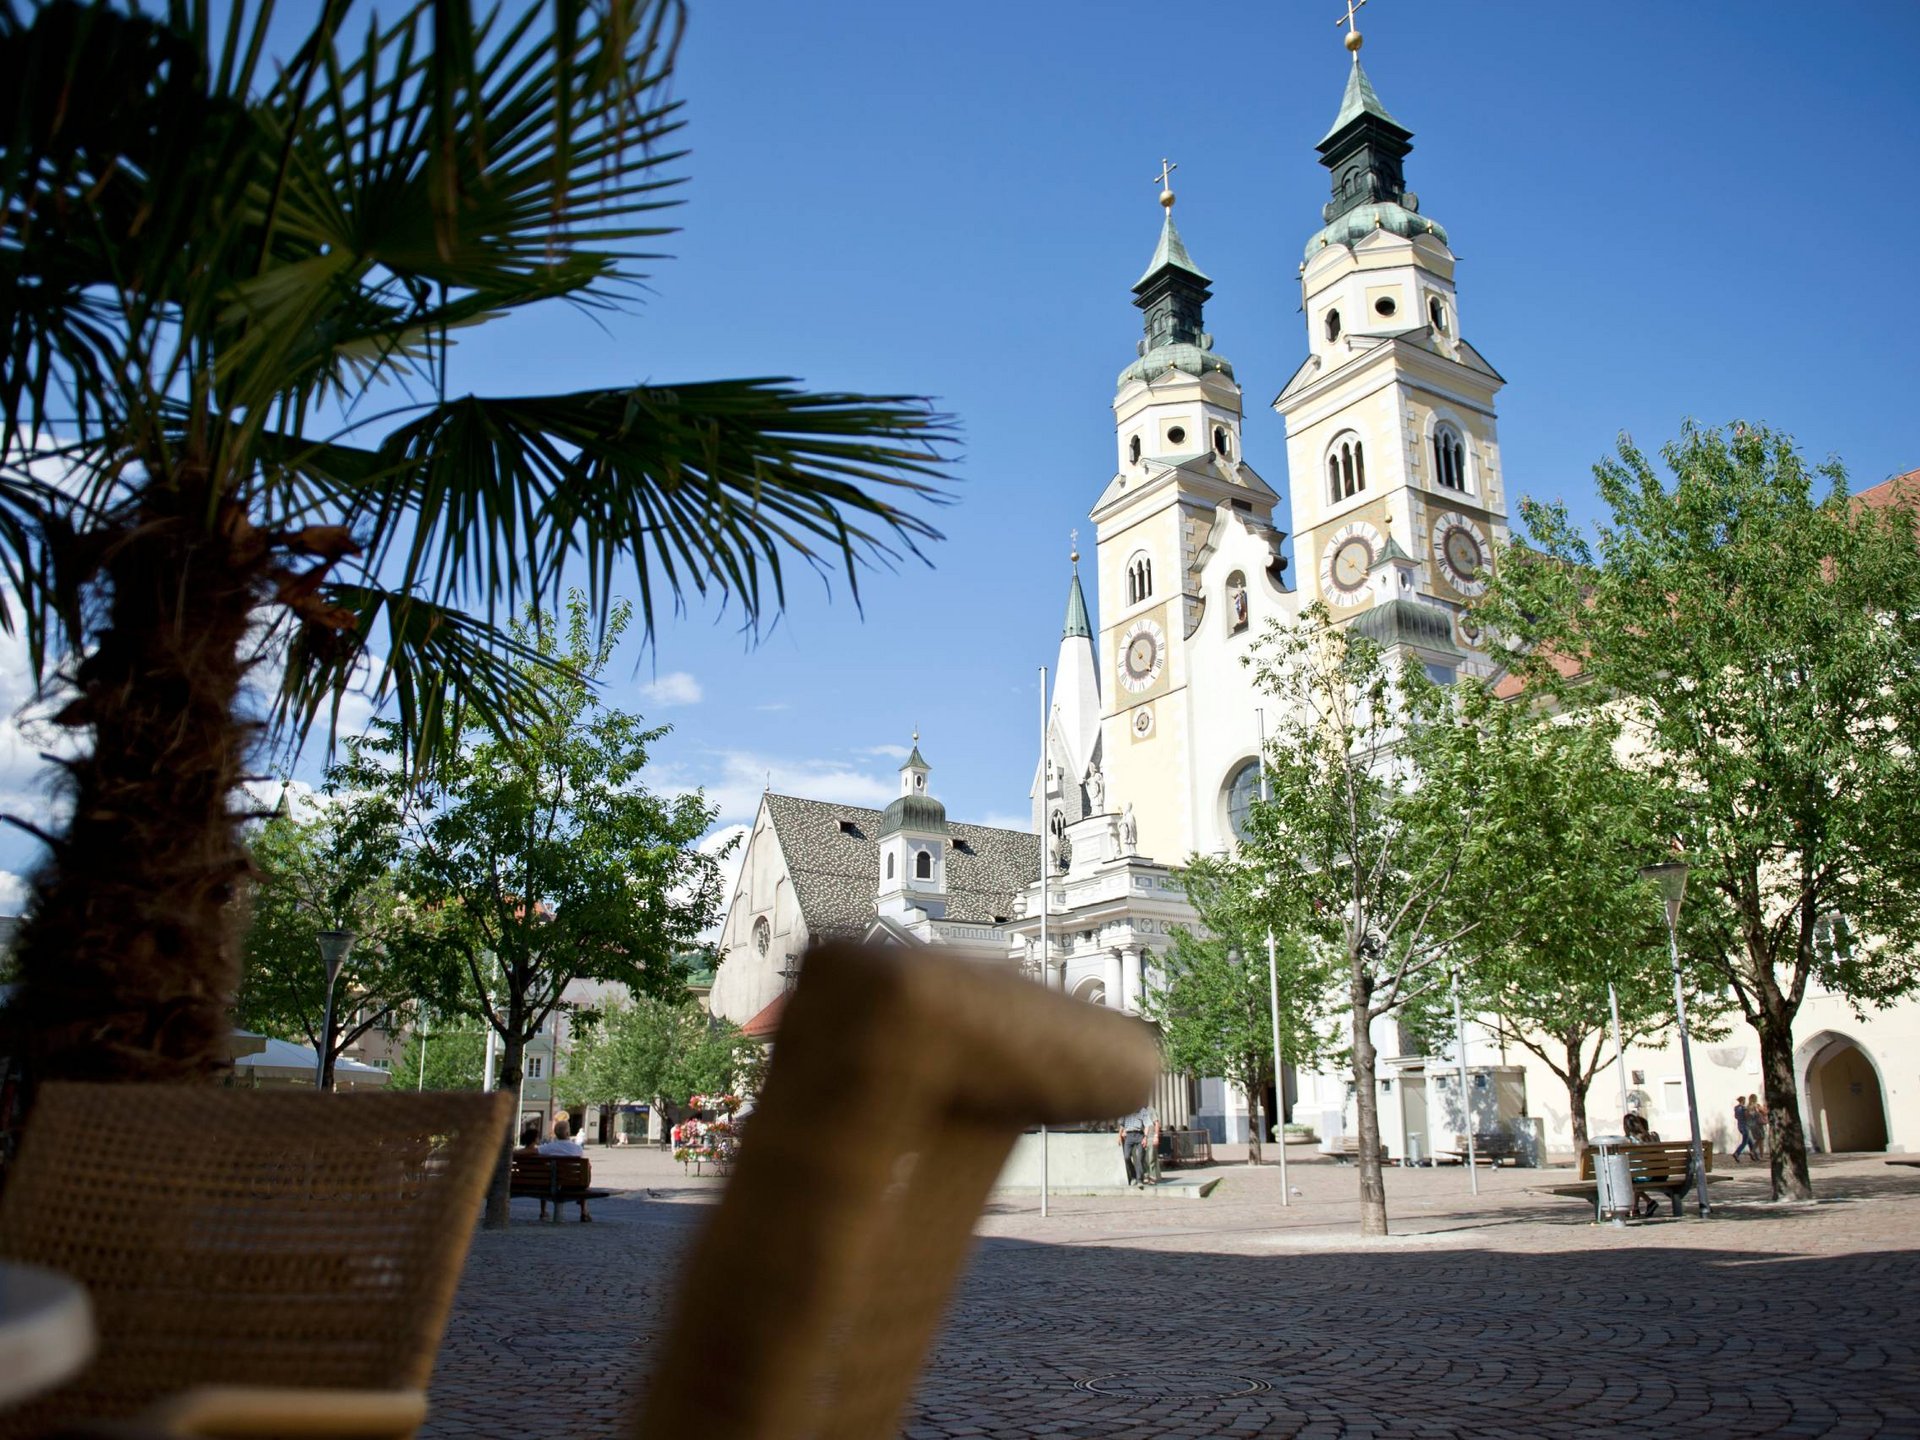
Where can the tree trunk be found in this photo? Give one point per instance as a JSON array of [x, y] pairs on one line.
[[513, 1048], [1373, 1184], [130, 958], [1255, 1119], [1786, 1140], [1577, 1084]]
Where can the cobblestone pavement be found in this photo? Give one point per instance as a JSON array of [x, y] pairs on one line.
[[1502, 1315]]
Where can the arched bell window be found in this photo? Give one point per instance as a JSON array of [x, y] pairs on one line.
[[1449, 458], [1333, 325], [923, 865], [1139, 579], [1346, 468]]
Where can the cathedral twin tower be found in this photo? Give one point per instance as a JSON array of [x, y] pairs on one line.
[[1397, 505]]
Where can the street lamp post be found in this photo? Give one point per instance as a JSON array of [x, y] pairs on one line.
[[1273, 996], [334, 945], [1671, 877]]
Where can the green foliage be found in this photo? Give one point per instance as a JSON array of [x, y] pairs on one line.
[[1564, 828], [544, 857], [654, 1047], [1212, 998], [455, 1060], [1758, 635], [323, 874]]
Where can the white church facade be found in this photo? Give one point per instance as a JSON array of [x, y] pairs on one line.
[[1398, 500]]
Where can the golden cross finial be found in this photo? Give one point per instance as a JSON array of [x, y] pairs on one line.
[[1167, 168], [1353, 41], [1074, 538]]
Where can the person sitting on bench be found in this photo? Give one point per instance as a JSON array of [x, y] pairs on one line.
[[563, 1143], [530, 1150], [1638, 1133]]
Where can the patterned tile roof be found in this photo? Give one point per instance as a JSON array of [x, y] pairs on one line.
[[833, 855]]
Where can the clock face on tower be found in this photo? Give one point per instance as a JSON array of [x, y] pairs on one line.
[[1348, 557], [1461, 548], [1143, 652]]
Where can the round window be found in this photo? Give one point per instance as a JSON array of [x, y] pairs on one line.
[[1242, 790], [762, 934], [1385, 305], [1177, 435]]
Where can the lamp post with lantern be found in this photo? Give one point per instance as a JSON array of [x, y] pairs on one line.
[[1671, 878], [334, 945]]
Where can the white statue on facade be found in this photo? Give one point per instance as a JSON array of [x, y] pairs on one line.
[[1096, 791], [1129, 831]]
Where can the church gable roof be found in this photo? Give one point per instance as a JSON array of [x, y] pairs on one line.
[[835, 866]]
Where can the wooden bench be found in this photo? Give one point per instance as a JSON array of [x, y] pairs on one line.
[[553, 1179], [1491, 1147], [1349, 1151], [1663, 1166]]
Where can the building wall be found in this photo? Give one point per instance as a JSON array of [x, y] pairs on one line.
[[748, 979], [1888, 1061]]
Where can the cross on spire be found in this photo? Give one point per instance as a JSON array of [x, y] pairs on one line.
[[1353, 35], [1167, 168], [1074, 540]]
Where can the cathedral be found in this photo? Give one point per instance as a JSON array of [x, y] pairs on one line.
[[1396, 504]]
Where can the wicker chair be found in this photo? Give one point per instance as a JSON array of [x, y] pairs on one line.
[[259, 1263], [898, 1086]]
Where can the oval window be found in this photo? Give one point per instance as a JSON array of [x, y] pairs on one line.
[[1222, 446], [1333, 324], [1242, 790], [1385, 305], [1133, 450], [1177, 435]]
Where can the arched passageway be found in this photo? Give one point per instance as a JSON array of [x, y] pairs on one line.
[[1845, 1105]]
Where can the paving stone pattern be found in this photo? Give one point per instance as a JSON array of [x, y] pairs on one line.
[[1505, 1315]]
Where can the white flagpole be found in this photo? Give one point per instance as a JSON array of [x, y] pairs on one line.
[[1273, 998], [1046, 834]]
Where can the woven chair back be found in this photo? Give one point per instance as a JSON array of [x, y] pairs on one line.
[[241, 1237], [898, 1085]]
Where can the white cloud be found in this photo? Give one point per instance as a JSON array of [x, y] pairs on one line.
[[13, 892], [891, 752], [734, 780], [998, 821], [677, 688], [27, 780], [774, 705]]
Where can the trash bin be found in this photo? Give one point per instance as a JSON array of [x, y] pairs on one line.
[[1613, 1176]]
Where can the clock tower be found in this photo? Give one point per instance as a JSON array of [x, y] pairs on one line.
[[1189, 568], [1391, 440]]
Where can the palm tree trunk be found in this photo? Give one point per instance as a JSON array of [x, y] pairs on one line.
[[130, 956]]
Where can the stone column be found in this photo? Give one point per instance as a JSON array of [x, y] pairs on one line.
[[1114, 981], [1131, 986]]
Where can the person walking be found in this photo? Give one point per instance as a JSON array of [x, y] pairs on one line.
[[1757, 1126], [1742, 1126]]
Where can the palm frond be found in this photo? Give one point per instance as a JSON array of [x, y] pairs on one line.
[[442, 671], [711, 487]]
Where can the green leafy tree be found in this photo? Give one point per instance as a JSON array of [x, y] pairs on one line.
[[1372, 803], [653, 1049], [1212, 998], [314, 875], [1759, 636], [211, 254], [544, 856], [454, 1059], [1564, 828]]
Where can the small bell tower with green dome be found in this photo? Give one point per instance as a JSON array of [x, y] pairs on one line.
[[913, 844]]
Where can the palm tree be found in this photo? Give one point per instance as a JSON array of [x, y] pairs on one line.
[[206, 270]]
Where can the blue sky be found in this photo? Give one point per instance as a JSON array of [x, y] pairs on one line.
[[1661, 211]]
